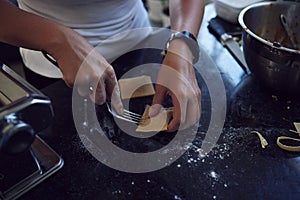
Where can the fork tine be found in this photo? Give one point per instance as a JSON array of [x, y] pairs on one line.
[[126, 119], [138, 120], [132, 116], [137, 117], [133, 120], [130, 119], [125, 110], [127, 116], [132, 113]]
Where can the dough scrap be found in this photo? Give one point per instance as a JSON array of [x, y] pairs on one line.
[[263, 141], [287, 147], [136, 87], [157, 123], [297, 126]]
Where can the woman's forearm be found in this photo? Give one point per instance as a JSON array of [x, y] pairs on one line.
[[74, 55], [186, 15], [24, 29]]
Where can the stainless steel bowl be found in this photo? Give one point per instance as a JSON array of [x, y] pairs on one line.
[[268, 50]]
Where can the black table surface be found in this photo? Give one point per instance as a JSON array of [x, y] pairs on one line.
[[238, 167]]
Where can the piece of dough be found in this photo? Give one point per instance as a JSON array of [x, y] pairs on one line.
[[287, 147], [263, 141], [156, 123], [136, 87], [297, 126]]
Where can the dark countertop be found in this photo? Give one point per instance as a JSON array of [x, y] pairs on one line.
[[237, 167]]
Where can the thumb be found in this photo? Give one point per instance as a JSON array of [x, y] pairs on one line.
[[158, 99], [154, 110]]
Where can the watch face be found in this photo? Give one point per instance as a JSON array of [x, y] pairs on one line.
[[190, 40]]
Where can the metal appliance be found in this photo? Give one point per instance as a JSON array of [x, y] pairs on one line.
[[25, 159]]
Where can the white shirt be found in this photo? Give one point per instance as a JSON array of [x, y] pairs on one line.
[[106, 24]]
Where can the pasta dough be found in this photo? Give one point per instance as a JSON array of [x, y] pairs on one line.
[[156, 123], [288, 147], [297, 126], [263, 141], [136, 87]]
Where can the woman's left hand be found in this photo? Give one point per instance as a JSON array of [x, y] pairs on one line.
[[177, 79]]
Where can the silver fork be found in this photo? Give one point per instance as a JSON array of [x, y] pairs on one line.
[[127, 115]]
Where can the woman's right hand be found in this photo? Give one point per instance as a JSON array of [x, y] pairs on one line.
[[86, 69]]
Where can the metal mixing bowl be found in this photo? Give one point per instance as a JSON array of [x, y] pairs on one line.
[[268, 50]]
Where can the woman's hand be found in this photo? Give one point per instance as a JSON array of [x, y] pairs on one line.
[[177, 76], [85, 69], [177, 79]]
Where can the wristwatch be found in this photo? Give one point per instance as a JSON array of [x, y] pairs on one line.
[[189, 39]]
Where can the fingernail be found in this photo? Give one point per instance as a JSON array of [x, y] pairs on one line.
[[154, 110]]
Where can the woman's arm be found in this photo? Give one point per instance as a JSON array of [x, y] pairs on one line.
[[177, 77], [186, 15], [27, 30], [76, 58]]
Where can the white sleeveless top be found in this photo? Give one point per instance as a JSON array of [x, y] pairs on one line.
[[101, 22]]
